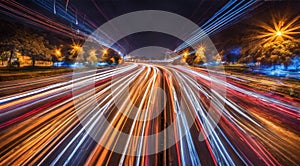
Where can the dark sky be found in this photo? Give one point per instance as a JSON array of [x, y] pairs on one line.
[[246, 25], [98, 12], [195, 10]]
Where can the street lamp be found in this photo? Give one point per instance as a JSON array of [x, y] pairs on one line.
[[185, 54], [280, 29], [76, 47], [279, 33], [58, 52], [104, 51]]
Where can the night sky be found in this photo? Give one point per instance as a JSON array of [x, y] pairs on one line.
[[98, 12]]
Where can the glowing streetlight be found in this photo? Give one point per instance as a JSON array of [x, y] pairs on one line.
[[105, 51], [58, 52], [76, 47], [185, 54], [278, 33], [280, 29]]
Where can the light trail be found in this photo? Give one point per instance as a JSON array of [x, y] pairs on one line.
[[43, 127], [82, 25], [82, 30], [77, 25], [227, 15], [26, 14]]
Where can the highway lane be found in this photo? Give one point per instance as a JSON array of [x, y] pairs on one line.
[[156, 114]]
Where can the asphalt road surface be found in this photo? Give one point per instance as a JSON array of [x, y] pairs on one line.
[[146, 114]]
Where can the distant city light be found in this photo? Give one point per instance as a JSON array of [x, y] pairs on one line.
[[278, 33]]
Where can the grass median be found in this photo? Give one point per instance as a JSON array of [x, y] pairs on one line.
[[30, 72]]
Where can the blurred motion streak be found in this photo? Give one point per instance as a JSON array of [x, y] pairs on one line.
[[40, 126]]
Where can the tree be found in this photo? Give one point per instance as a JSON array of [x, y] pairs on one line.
[[272, 42], [218, 56], [4, 56], [200, 55], [35, 46], [110, 56], [250, 52], [76, 53], [188, 56], [279, 52], [92, 58], [7, 40], [26, 43], [57, 55], [271, 53], [8, 47], [190, 59]]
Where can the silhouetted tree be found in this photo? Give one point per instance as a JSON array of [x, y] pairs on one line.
[[26, 43]]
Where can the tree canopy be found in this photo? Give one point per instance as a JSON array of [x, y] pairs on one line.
[[271, 53]]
